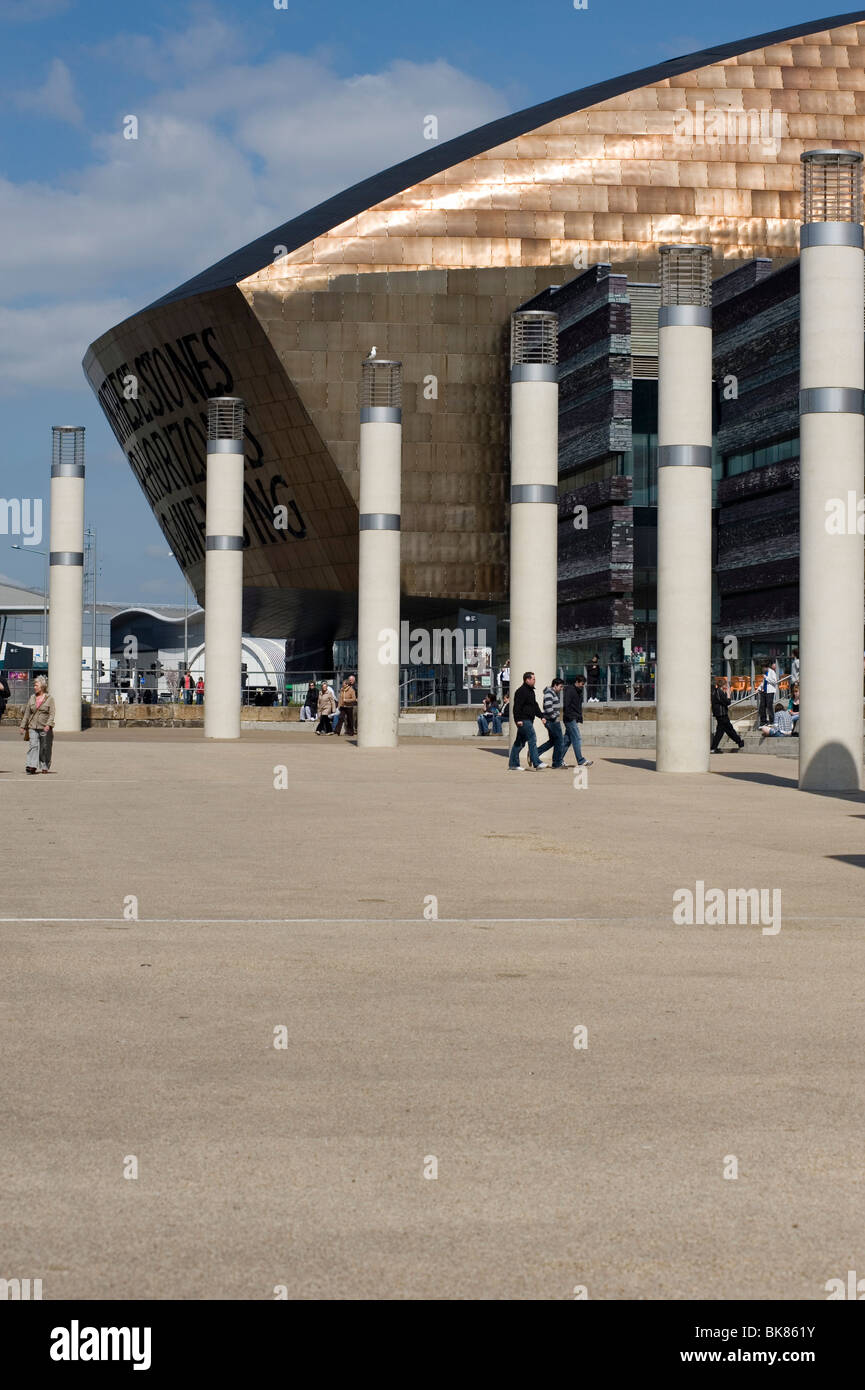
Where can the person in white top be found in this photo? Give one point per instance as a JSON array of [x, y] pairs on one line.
[[768, 692]]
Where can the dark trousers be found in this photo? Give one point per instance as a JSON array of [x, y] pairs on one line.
[[722, 727], [347, 712], [766, 708], [324, 725]]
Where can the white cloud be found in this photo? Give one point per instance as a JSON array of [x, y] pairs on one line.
[[25, 11], [43, 347], [56, 97], [222, 156]]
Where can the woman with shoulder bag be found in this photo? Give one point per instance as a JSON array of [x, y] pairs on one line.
[[326, 707], [37, 727]]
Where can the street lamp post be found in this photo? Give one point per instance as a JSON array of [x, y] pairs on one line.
[[684, 509], [44, 554], [831, 444]]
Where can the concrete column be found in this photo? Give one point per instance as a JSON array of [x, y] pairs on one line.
[[534, 496], [379, 504], [831, 472], [684, 647], [66, 575], [223, 572]]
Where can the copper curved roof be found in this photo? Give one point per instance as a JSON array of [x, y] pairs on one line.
[[420, 169]]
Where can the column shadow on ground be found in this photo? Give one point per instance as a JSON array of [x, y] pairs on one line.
[[857, 861]]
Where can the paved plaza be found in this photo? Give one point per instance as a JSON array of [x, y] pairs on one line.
[[303, 914]]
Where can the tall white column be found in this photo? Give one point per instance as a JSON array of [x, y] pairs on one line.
[[534, 496], [684, 646], [831, 472], [379, 505], [66, 575], [223, 573]]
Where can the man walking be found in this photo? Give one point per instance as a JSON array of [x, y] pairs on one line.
[[5, 693], [347, 707], [573, 717], [552, 717], [524, 711], [721, 711]]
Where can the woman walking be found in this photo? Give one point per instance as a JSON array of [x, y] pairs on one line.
[[38, 727], [326, 707], [310, 705]]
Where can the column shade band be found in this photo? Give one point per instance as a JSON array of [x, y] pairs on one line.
[[684, 456], [67, 470], [224, 543], [224, 446], [534, 492], [66, 557], [684, 316], [830, 234], [534, 371], [380, 415], [379, 521], [831, 400]]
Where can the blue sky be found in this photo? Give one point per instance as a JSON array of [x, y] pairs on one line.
[[248, 114]]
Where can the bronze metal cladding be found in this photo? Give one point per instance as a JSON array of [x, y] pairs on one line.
[[431, 274]]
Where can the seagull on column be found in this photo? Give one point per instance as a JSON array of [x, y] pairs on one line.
[[372, 351]]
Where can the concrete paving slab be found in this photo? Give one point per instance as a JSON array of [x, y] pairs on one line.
[[408, 1039]]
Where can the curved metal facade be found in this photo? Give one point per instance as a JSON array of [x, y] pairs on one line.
[[427, 261]]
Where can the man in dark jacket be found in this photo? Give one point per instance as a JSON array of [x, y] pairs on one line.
[[721, 711], [5, 693], [524, 711], [573, 717]]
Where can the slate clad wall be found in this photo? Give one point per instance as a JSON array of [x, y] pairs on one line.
[[756, 324], [757, 340], [596, 565]]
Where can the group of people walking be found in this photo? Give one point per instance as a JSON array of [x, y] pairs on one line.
[[562, 715], [334, 713]]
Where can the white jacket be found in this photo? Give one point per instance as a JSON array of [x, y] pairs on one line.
[[770, 679]]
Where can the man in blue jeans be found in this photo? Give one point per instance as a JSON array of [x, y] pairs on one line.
[[573, 716], [524, 711], [552, 715]]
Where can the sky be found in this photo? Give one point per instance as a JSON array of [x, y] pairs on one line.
[[249, 112]]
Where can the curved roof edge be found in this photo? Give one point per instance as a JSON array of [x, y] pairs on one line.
[[366, 194]]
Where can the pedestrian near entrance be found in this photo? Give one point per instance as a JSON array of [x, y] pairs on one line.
[[187, 685], [794, 667], [37, 726], [490, 718], [552, 716], [347, 706], [572, 713], [5, 693], [325, 708], [594, 678], [199, 691], [721, 711], [309, 708], [768, 693], [525, 712]]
